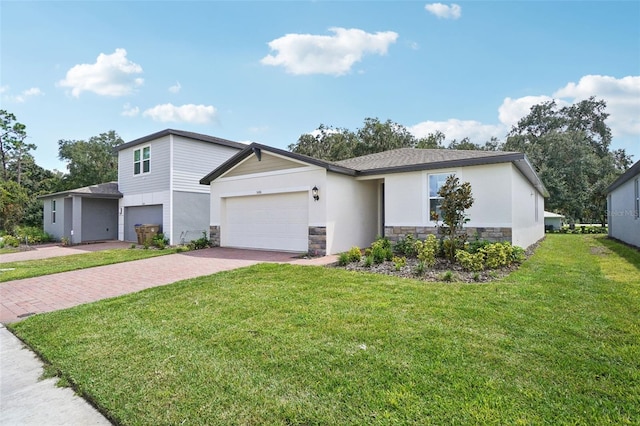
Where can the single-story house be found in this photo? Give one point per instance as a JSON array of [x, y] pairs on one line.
[[552, 221], [623, 201], [158, 184], [267, 198], [83, 214]]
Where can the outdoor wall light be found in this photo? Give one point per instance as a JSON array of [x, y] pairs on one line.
[[314, 191]]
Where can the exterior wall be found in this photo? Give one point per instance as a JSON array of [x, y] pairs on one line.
[[267, 163], [99, 219], [352, 212], [191, 160], [528, 211], [556, 222], [56, 230], [141, 215], [190, 216], [623, 225], [405, 202], [125, 228], [395, 233], [158, 178]]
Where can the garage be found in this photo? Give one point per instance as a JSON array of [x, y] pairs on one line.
[[140, 215], [269, 222]]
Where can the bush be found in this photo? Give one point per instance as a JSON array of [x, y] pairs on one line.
[[420, 267], [160, 241], [426, 250], [470, 261], [381, 250], [447, 277], [368, 261], [343, 259], [518, 255], [406, 246], [200, 243], [354, 254], [32, 234], [399, 262], [10, 241], [477, 244], [498, 254]]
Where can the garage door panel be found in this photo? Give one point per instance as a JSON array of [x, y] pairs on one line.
[[273, 221]]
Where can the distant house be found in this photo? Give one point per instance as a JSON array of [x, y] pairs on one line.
[[157, 184], [623, 202], [267, 198], [552, 221], [83, 214]]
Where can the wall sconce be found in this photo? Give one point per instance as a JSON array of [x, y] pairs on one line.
[[314, 191]]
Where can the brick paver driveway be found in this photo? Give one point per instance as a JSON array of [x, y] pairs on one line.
[[21, 298]]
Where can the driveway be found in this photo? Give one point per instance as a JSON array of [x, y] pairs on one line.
[[22, 298]]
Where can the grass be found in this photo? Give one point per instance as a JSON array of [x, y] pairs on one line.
[[557, 342], [35, 268]]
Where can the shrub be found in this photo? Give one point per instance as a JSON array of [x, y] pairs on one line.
[[470, 261], [420, 267], [426, 250], [368, 261], [497, 255], [343, 259], [200, 243], [477, 244], [32, 234], [406, 246], [10, 241], [381, 250], [354, 254], [399, 262], [160, 241], [518, 255], [447, 277]]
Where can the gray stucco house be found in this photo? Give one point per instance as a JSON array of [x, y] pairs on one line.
[[158, 183], [623, 202]]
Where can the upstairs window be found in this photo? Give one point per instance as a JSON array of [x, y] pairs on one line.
[[53, 211], [142, 160]]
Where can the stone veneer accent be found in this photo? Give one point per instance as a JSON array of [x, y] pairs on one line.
[[214, 235], [318, 240], [394, 233]]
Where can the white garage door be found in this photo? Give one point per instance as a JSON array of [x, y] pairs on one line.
[[271, 222]]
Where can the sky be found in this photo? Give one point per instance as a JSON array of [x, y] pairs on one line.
[[268, 72]]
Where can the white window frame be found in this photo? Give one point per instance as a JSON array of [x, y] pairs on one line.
[[141, 160], [53, 211], [435, 195]]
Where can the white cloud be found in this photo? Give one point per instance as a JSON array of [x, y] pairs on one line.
[[443, 11], [622, 96], [23, 96], [129, 111], [453, 128], [303, 54], [110, 75], [190, 113], [175, 88]]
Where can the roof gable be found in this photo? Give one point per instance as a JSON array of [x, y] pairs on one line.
[[625, 177], [265, 163]]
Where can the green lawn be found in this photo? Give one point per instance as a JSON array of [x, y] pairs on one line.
[[557, 342], [35, 268]]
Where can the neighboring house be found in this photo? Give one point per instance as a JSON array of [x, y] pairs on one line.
[[623, 203], [267, 198], [552, 221], [158, 179], [83, 214]]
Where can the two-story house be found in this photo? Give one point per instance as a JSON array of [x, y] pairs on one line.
[[158, 183]]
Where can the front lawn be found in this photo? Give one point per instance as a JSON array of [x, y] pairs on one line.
[[34, 268], [557, 342]]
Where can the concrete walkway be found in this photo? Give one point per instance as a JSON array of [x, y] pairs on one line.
[[26, 400]]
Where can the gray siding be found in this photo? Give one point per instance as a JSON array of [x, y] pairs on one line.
[[623, 223], [190, 216], [159, 176], [56, 230], [99, 219], [192, 160]]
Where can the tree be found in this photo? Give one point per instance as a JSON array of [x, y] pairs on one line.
[[431, 141], [13, 200], [13, 147], [90, 162], [569, 148], [456, 198]]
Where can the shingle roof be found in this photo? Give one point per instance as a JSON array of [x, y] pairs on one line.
[[626, 176], [404, 158], [102, 190], [190, 135]]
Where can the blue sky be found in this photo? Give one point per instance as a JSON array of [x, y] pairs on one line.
[[270, 71]]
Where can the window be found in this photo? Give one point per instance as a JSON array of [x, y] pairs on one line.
[[142, 160], [637, 198], [435, 183], [53, 211]]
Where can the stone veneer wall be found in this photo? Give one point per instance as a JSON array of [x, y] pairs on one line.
[[214, 235], [394, 233], [318, 240]]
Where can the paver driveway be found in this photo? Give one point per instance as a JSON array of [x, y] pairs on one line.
[[21, 298]]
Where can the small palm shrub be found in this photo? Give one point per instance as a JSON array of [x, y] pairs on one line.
[[343, 259], [368, 261]]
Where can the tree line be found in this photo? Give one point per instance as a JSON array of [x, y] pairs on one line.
[[569, 147]]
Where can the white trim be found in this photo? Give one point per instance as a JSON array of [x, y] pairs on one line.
[[142, 172], [167, 229], [269, 173], [426, 196], [266, 191]]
